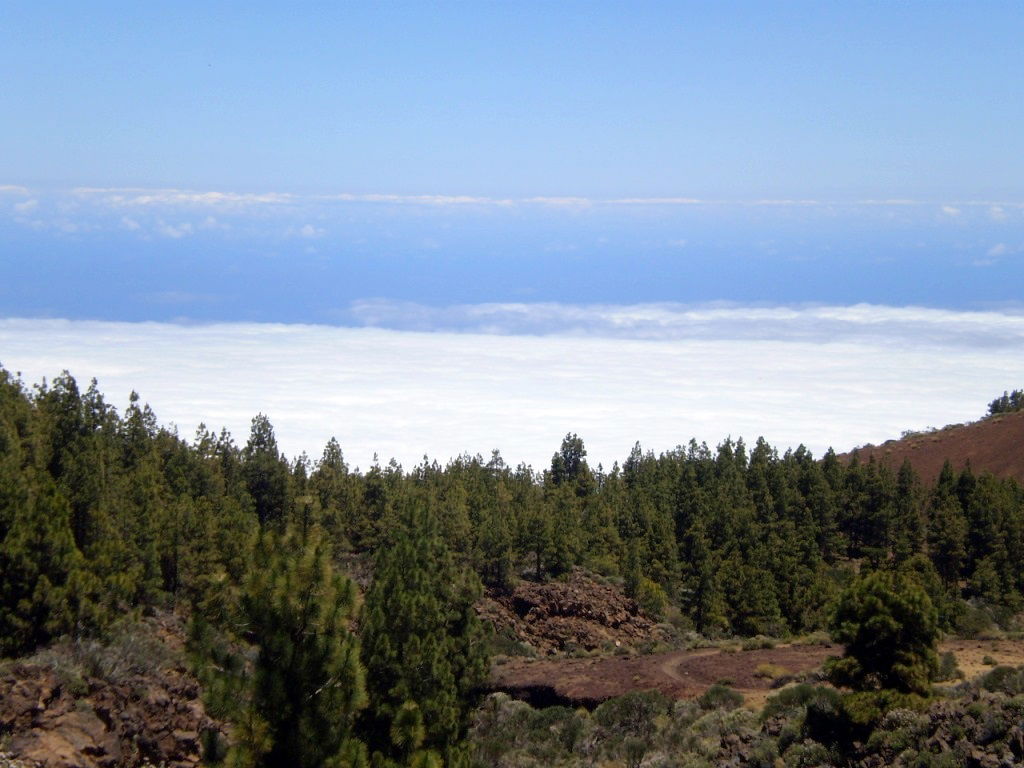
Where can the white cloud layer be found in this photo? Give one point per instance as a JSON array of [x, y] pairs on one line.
[[405, 394], [119, 198], [859, 323], [97, 209]]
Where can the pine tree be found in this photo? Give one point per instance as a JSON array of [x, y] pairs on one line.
[[947, 539], [265, 472], [494, 541], [536, 535], [569, 467], [562, 508], [309, 684], [909, 524], [38, 562], [705, 599], [753, 605], [338, 493], [423, 647], [889, 628]]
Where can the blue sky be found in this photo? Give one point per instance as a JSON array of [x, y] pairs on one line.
[[210, 136], [764, 195], [720, 100]]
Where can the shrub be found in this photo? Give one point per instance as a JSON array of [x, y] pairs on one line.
[[818, 637], [605, 565], [130, 649], [559, 725], [789, 699], [505, 643], [808, 755], [757, 643], [972, 621], [940, 760], [1004, 679], [763, 755], [716, 724], [681, 623], [719, 696], [948, 668], [633, 714], [652, 598], [824, 706], [770, 671], [633, 750], [499, 725], [852, 717]]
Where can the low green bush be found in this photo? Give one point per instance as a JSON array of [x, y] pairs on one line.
[[972, 621], [1004, 679], [757, 643], [720, 696], [770, 671], [793, 698], [948, 668], [633, 714], [652, 598]]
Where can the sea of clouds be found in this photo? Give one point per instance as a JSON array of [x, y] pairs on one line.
[[517, 377]]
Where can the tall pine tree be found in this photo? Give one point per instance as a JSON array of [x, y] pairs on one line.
[[423, 647], [308, 683]]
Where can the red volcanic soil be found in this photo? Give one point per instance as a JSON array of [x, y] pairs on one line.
[[995, 445], [678, 674], [688, 674]]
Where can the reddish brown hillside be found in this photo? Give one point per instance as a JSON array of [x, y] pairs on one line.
[[995, 445]]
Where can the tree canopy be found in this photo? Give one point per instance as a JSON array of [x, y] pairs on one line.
[[889, 628]]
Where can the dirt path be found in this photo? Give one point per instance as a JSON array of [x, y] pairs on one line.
[[687, 674], [679, 674], [669, 665]]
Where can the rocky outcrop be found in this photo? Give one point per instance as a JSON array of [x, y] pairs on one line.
[[104, 726], [981, 730], [559, 616]]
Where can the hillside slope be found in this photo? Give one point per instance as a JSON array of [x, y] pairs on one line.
[[994, 444]]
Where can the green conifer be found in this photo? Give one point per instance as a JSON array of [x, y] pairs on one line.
[[38, 562], [889, 628], [308, 683], [423, 647]]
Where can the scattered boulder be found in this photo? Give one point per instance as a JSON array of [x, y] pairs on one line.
[[559, 616]]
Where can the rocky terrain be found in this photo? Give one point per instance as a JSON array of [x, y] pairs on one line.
[[579, 614], [86, 705]]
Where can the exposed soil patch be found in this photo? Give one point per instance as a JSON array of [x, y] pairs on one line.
[[679, 674], [970, 654], [990, 445], [687, 674]]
